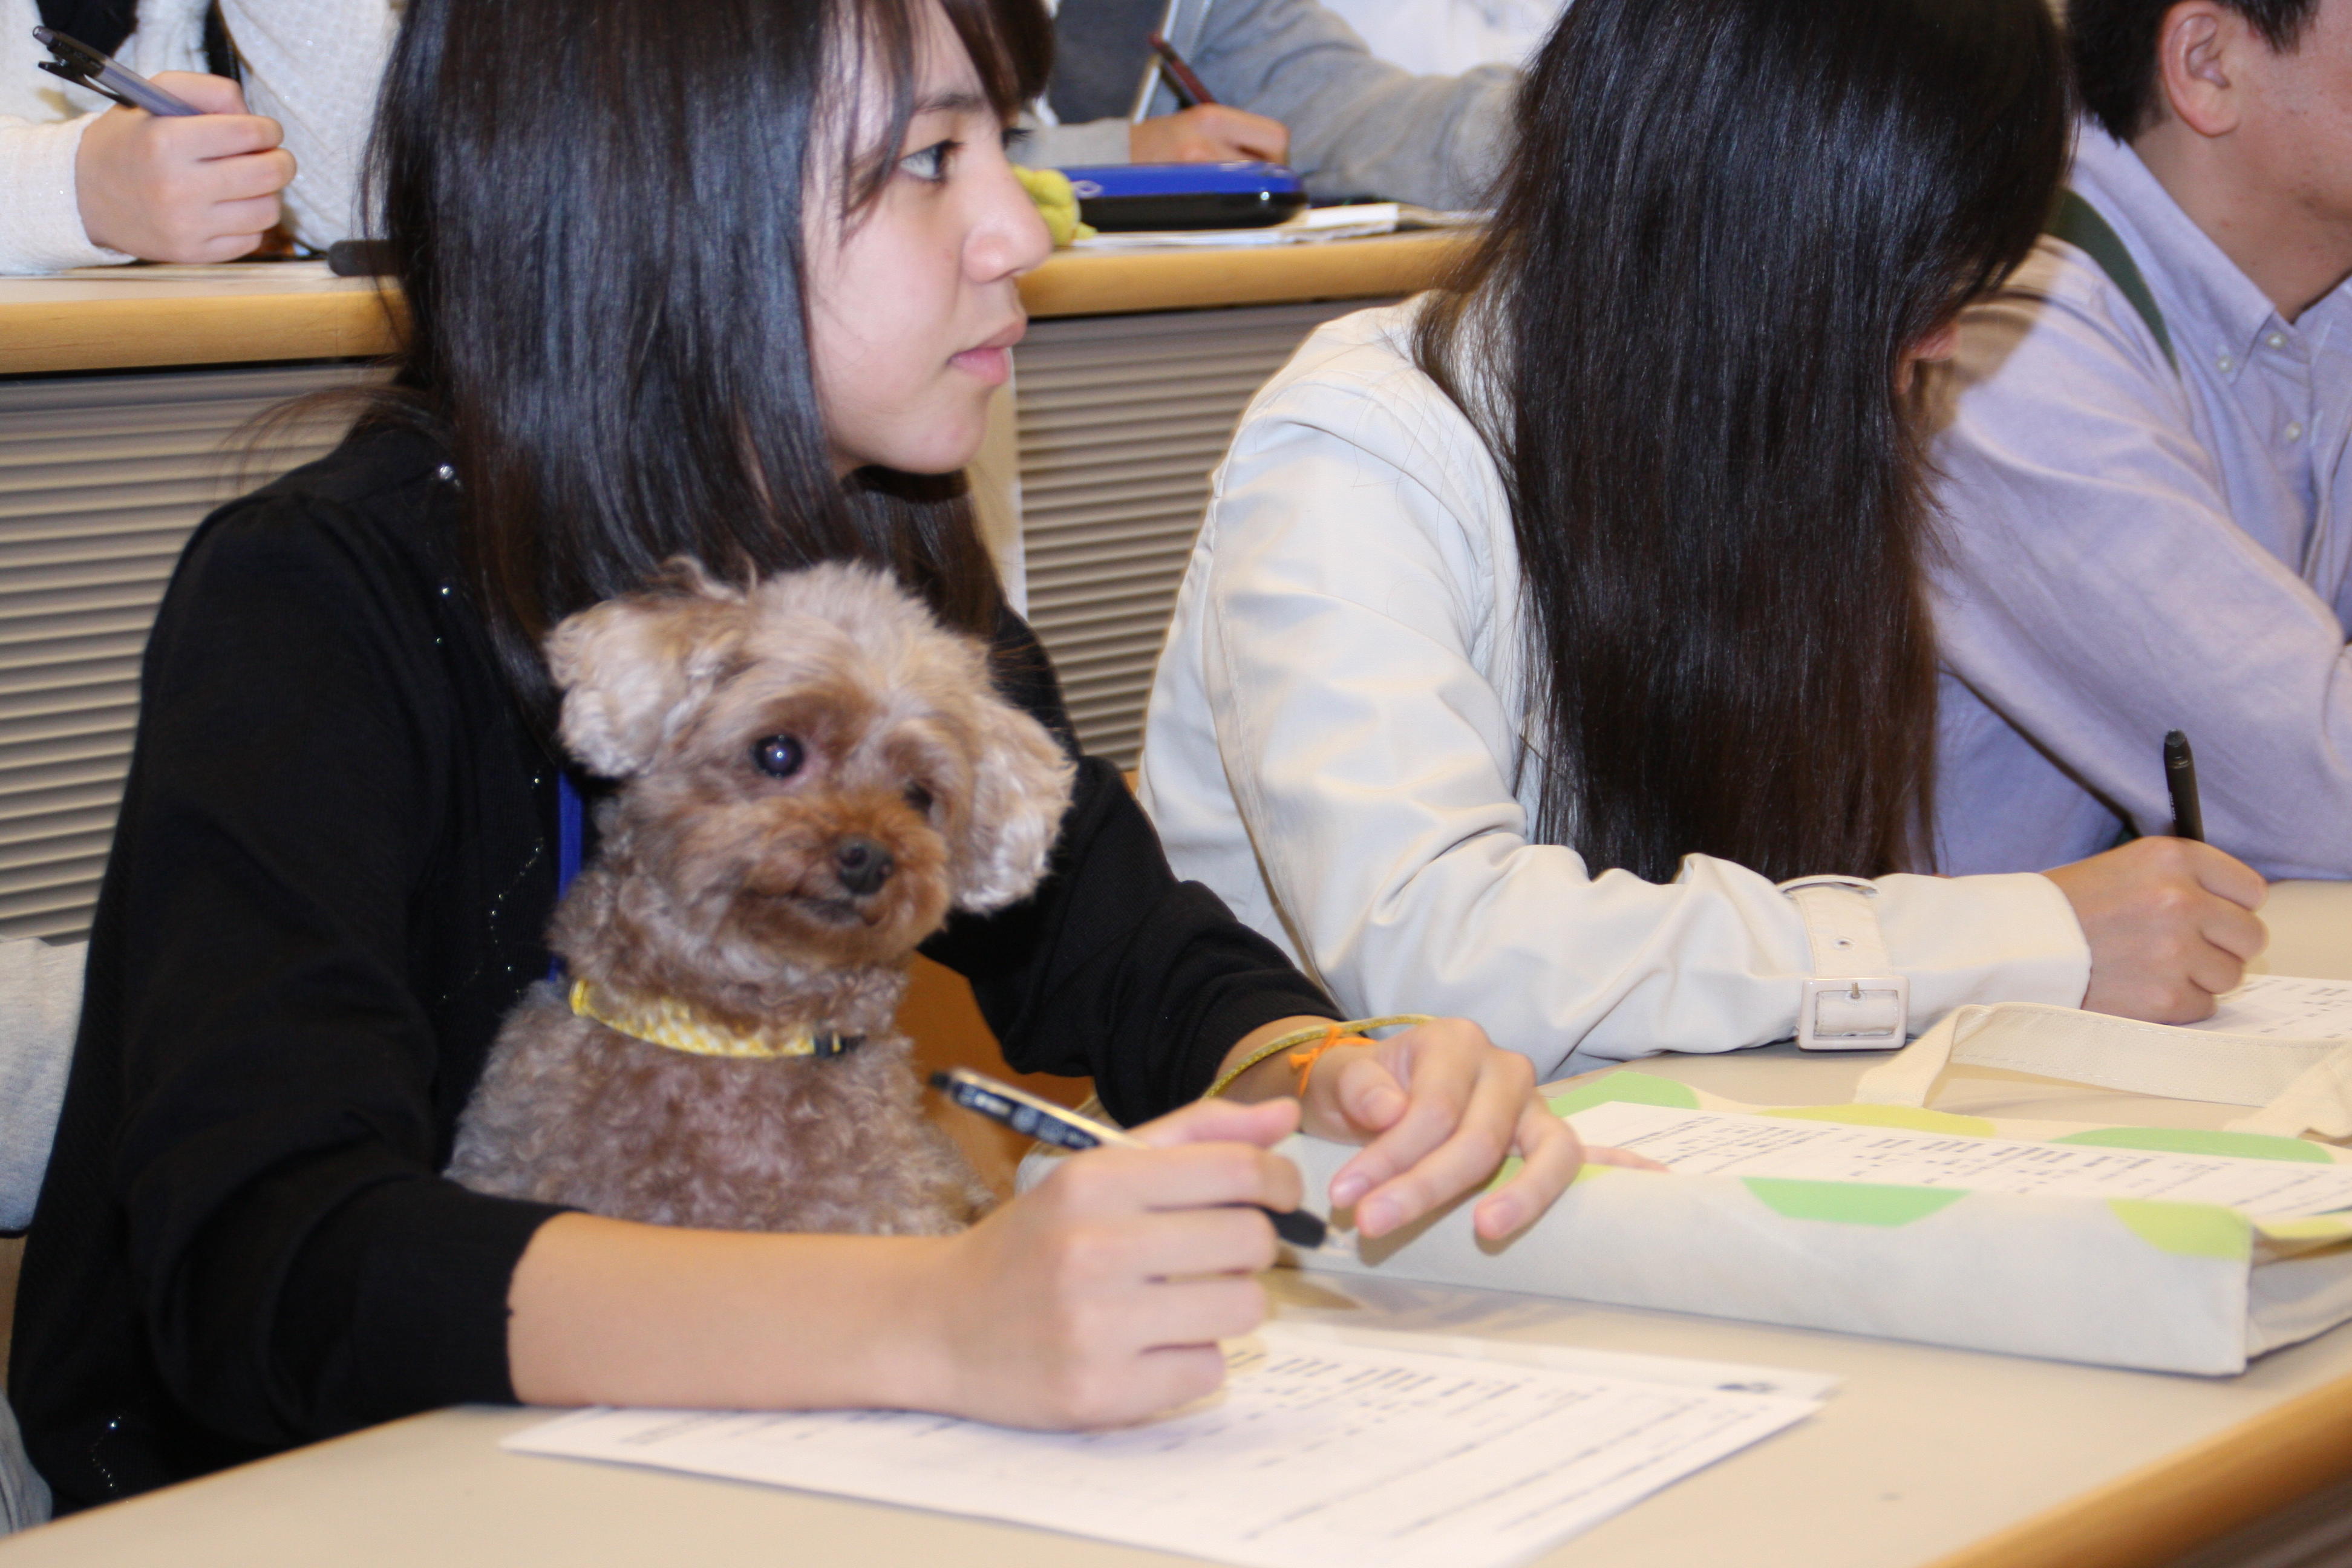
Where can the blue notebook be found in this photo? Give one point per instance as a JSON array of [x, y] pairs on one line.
[[1126, 196]]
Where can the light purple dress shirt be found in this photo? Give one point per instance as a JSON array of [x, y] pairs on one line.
[[2133, 549]]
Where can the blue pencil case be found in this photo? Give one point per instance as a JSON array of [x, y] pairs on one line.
[[1127, 196]]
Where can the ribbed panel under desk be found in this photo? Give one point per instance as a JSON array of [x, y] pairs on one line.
[[1121, 420], [101, 480]]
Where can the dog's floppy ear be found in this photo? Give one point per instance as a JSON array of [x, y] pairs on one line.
[[633, 668], [1020, 790]]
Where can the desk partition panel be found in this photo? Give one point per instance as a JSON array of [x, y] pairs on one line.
[[102, 478]]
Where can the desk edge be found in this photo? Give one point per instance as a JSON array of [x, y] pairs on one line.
[[171, 331], [2176, 1504]]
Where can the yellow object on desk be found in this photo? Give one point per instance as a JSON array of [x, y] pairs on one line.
[[1057, 203]]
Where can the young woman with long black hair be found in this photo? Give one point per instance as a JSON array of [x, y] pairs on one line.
[[731, 280], [1542, 626]]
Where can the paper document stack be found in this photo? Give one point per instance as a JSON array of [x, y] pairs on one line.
[[1326, 1449]]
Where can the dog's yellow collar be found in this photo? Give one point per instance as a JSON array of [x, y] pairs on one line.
[[678, 1027]]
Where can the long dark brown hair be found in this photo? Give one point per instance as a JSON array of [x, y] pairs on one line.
[[595, 211], [1725, 222]]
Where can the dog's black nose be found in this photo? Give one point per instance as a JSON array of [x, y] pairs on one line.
[[862, 865]]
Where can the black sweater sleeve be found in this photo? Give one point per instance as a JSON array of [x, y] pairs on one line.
[[1114, 968], [297, 1263]]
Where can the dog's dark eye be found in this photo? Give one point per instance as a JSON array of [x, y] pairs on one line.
[[919, 798], [779, 756]]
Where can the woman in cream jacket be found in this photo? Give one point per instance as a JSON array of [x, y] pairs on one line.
[[1344, 740]]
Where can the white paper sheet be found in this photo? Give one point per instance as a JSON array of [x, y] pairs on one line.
[[1708, 1142], [2285, 1007], [1320, 1453]]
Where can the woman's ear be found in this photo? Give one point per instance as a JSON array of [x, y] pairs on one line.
[[1020, 790], [632, 669]]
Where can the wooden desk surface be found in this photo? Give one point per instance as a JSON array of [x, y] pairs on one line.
[[51, 325], [1925, 1458]]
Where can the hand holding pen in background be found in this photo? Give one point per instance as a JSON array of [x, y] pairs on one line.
[[1204, 131], [178, 170]]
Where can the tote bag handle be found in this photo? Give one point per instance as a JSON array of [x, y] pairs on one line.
[[2295, 1086]]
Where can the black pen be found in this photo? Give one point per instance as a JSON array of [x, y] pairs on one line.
[[1065, 1129], [2180, 778], [85, 67]]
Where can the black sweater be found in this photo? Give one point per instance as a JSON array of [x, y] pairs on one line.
[[331, 878]]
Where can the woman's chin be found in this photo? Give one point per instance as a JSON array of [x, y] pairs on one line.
[[945, 447]]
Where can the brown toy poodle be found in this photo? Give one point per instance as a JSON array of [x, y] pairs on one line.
[[811, 774]]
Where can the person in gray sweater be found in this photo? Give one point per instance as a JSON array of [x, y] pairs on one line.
[[1294, 84]]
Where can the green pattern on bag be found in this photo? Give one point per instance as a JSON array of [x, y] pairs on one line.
[[1852, 1202], [2201, 1140], [2188, 1230], [1632, 1087]]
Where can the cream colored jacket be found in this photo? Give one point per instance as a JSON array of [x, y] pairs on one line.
[[314, 66], [1335, 745]]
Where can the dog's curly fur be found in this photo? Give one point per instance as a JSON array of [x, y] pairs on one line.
[[753, 898]]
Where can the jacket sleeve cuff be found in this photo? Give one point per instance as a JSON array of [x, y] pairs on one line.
[[2009, 938], [1067, 146], [42, 229]]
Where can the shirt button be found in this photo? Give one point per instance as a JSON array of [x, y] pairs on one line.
[[2225, 364], [2294, 432], [2276, 339], [445, 473]]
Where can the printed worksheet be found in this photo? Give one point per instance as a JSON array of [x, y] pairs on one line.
[[1710, 1143], [2287, 1007], [1319, 1453]]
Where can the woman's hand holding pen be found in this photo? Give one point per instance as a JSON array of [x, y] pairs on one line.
[[2171, 925], [1439, 1107], [197, 188], [1095, 1301], [1099, 1297]]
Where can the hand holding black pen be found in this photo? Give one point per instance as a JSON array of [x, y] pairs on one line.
[[1101, 1297], [179, 171], [1063, 1128]]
